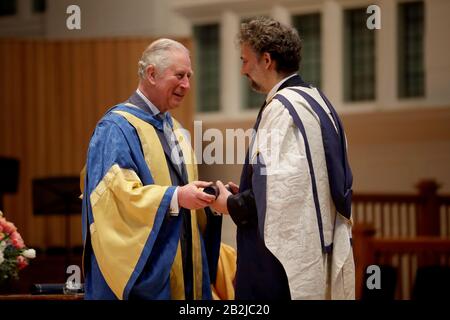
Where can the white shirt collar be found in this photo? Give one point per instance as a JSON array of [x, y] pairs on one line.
[[152, 107], [276, 87]]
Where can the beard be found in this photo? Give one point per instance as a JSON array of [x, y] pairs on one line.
[[255, 86]]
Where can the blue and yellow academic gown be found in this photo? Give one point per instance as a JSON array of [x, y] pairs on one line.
[[134, 248]]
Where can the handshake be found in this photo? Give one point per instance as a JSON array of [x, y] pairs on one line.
[[214, 190], [200, 194]]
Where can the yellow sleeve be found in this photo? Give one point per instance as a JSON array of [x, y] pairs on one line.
[[124, 212], [223, 288]]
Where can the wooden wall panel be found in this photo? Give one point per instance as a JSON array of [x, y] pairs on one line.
[[52, 93], [36, 230], [15, 116], [29, 122], [2, 94]]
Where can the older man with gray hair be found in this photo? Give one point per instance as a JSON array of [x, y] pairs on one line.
[[145, 232]]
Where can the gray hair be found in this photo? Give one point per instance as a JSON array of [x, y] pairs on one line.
[[156, 54]]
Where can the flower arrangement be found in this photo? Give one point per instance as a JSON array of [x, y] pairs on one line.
[[14, 255]]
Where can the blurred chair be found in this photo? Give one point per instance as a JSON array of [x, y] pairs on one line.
[[432, 283], [9, 177], [388, 285], [58, 196]]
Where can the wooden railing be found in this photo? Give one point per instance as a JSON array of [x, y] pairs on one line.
[[405, 255], [405, 232], [403, 215], [444, 212]]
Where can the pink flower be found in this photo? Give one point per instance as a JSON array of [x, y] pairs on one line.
[[17, 255], [15, 236], [16, 240], [19, 244], [9, 227], [21, 262]]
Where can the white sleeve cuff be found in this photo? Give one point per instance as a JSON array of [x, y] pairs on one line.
[[215, 213], [174, 207]]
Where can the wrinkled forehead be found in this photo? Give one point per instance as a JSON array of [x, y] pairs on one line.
[[180, 59]]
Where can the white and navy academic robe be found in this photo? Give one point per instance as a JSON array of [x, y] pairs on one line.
[[297, 245]]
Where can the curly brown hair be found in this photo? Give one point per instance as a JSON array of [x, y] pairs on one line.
[[283, 43]]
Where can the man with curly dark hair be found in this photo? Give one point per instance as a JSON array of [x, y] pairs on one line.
[[293, 206]]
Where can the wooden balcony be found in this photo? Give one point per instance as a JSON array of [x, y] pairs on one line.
[[406, 234]]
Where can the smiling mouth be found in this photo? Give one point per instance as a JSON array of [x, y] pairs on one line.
[[179, 95]]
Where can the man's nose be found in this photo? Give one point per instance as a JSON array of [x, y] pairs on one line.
[[185, 83]]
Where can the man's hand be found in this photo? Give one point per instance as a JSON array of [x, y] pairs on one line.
[[220, 205], [191, 197], [233, 187]]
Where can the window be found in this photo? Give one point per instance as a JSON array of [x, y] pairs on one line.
[[207, 64], [359, 82], [411, 50], [8, 8], [308, 27], [39, 6]]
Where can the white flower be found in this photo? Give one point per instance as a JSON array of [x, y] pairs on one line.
[[29, 253], [3, 245], [2, 258]]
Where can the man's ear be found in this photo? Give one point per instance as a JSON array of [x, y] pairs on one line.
[[268, 62], [150, 73]]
